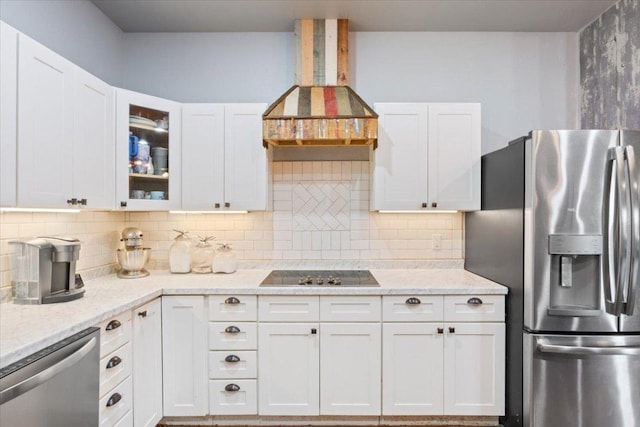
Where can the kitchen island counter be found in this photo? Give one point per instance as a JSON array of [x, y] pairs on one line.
[[25, 329]]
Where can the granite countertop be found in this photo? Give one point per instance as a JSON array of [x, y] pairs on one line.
[[25, 329]]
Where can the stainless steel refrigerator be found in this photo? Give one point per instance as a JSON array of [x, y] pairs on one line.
[[560, 226]]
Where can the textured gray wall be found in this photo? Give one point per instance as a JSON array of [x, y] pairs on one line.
[[610, 69]]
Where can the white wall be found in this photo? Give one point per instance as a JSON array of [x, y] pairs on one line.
[[76, 29], [523, 80]]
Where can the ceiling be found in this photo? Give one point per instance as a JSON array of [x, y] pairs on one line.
[[364, 15]]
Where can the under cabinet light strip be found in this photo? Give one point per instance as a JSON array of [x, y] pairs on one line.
[[419, 211], [38, 210], [208, 212]]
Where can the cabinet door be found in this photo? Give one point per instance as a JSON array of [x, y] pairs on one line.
[[141, 183], [245, 159], [94, 176], [400, 161], [350, 363], [45, 126], [147, 364], [454, 156], [288, 366], [8, 113], [202, 156], [412, 369], [184, 356], [474, 375]]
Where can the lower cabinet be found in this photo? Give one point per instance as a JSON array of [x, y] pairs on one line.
[[184, 356], [147, 364]]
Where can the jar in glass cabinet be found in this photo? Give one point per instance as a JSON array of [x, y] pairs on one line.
[[202, 255]]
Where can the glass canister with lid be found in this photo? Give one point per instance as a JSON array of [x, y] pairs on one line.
[[180, 253], [202, 255]]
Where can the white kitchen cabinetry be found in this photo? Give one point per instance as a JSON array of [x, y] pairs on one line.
[[8, 113], [116, 366], [65, 132], [437, 363], [309, 365], [184, 356], [225, 164], [428, 157], [147, 364], [154, 125]]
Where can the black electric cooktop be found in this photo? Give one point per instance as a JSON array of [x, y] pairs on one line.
[[317, 278]]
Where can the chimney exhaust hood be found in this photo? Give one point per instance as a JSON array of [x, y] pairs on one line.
[[320, 109]]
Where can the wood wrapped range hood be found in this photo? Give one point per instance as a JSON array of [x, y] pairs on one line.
[[320, 109]]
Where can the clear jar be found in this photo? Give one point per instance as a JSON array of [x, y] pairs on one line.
[[180, 253], [202, 255], [225, 260]]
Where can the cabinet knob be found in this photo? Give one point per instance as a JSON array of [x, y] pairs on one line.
[[452, 330], [232, 300], [73, 201], [413, 301], [424, 205], [114, 324], [232, 358], [113, 362], [227, 204], [216, 205], [115, 398], [314, 331], [232, 387], [434, 205], [123, 204], [474, 301], [232, 330], [83, 202], [142, 313], [441, 330]]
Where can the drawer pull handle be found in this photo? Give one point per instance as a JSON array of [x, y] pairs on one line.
[[232, 358], [474, 301], [115, 398], [142, 313], [413, 301], [452, 330], [232, 330], [441, 330], [232, 300], [113, 362], [114, 324], [232, 387]]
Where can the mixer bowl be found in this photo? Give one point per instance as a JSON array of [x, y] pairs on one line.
[[133, 262]]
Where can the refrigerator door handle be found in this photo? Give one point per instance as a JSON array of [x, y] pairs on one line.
[[588, 351], [611, 239], [634, 189]]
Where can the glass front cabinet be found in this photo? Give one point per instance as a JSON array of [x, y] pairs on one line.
[[147, 152]]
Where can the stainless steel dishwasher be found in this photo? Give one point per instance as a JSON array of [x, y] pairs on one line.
[[55, 387]]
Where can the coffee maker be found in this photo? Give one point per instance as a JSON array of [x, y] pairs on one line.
[[44, 270]]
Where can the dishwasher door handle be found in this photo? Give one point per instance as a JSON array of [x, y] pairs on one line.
[[34, 381]]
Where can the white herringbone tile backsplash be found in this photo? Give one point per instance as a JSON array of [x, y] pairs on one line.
[[320, 212]]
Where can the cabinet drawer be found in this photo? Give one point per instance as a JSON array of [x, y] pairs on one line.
[[233, 364], [229, 307], [474, 308], [126, 421], [119, 401], [114, 333], [350, 309], [114, 368], [289, 309], [412, 308], [233, 336], [224, 401]]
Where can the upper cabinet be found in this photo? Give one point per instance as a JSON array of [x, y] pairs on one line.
[[428, 157], [65, 144], [148, 152], [225, 164], [8, 114]]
